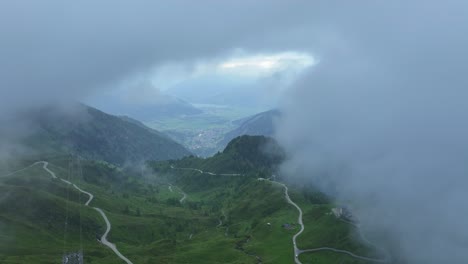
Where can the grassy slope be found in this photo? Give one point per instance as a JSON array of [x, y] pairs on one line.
[[94, 134], [35, 220], [252, 204], [149, 225]]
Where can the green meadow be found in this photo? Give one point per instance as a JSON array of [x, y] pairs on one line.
[[224, 219]]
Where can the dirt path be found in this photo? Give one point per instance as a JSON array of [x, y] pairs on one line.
[[184, 195]]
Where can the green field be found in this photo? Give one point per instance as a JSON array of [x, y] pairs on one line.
[[150, 225], [201, 133]]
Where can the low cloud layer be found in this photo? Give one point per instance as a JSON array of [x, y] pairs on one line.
[[381, 123], [55, 50]]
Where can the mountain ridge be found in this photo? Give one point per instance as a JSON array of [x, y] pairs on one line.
[[93, 134], [261, 124]]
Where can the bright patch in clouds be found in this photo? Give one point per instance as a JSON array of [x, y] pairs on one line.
[[238, 66], [260, 65]]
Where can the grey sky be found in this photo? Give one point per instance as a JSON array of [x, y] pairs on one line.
[[57, 49]]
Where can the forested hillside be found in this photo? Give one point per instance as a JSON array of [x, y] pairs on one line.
[[93, 134], [243, 154]]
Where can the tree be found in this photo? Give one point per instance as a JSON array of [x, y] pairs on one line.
[[126, 210]]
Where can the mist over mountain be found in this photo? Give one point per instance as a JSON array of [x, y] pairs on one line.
[[163, 106], [380, 123], [261, 124], [92, 134], [225, 91]]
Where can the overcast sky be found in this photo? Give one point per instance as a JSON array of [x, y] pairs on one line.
[[379, 119], [56, 49]]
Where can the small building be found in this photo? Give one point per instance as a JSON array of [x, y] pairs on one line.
[[338, 212], [343, 213], [73, 258]]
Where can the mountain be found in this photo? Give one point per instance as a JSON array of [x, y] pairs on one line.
[[225, 91], [140, 124], [242, 155], [169, 212], [259, 124], [151, 109], [93, 134]]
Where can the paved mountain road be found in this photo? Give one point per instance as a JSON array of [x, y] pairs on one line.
[[104, 240], [298, 251], [184, 195], [207, 172], [104, 237], [344, 252]]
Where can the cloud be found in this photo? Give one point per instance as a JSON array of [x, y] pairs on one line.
[[265, 65], [143, 92], [238, 75], [380, 123], [55, 50]]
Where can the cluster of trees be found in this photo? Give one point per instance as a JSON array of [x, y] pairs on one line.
[[127, 211]]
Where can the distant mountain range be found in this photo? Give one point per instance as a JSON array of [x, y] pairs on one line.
[[259, 124], [161, 107], [219, 91], [93, 134]]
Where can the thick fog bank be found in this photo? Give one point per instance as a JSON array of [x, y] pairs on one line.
[[381, 123]]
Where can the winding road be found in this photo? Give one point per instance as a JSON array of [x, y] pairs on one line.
[[16, 171], [104, 240], [207, 172], [184, 195], [383, 251], [298, 251], [344, 252]]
